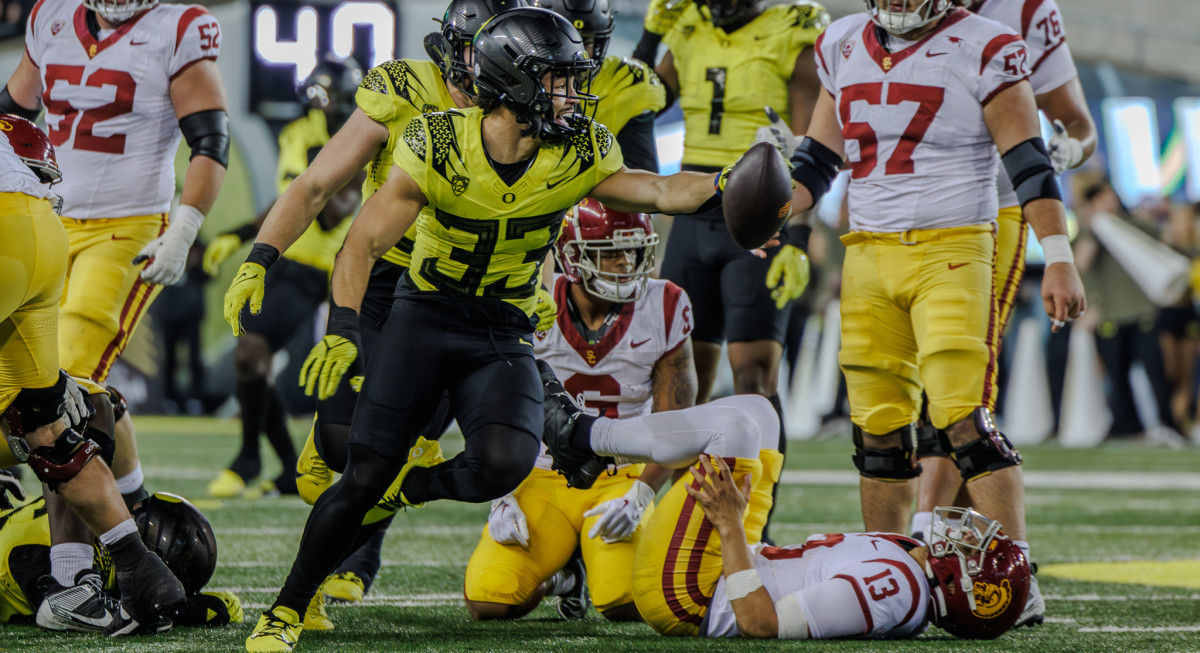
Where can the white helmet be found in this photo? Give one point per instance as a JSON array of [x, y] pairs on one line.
[[903, 22], [119, 11]]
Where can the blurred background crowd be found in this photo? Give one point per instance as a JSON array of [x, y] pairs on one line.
[[1127, 369]]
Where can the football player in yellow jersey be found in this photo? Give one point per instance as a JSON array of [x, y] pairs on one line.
[[25, 559], [726, 59], [491, 185], [300, 279]]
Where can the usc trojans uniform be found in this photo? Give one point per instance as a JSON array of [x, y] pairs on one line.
[[110, 118]]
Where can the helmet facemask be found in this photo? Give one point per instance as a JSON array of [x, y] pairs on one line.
[[450, 50], [903, 22], [115, 11], [635, 246], [966, 535], [569, 82]]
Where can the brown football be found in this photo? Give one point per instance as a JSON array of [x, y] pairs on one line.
[[758, 196]]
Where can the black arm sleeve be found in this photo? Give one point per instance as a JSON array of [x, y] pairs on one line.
[[636, 139], [646, 50], [9, 105]]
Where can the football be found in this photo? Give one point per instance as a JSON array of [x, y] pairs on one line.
[[758, 196]]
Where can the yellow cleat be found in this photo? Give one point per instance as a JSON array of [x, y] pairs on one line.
[[316, 618], [313, 476], [425, 453], [346, 587], [232, 604], [276, 631], [265, 489], [226, 485]]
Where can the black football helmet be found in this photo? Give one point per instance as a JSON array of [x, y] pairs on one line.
[[330, 87], [515, 51], [730, 13], [462, 20], [593, 19], [178, 532]]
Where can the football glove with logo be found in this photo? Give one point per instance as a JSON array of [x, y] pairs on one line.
[[218, 250], [662, 15], [506, 523], [1066, 152], [546, 310], [247, 289], [777, 134], [76, 409], [168, 253], [619, 518], [331, 358], [788, 275]]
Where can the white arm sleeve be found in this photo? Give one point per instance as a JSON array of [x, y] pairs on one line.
[[832, 609]]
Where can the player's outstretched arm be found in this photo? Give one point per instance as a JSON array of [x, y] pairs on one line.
[[638, 191], [1067, 108], [1011, 118], [22, 96], [383, 220], [338, 162]]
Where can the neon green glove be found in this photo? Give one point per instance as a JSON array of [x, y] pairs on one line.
[[662, 15], [331, 358], [247, 289], [788, 275], [218, 250], [546, 310]]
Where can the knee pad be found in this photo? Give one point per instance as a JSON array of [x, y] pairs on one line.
[[120, 406], [63, 460], [990, 453], [929, 444], [891, 464]]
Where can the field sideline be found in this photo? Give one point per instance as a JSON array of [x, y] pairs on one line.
[[1120, 567]]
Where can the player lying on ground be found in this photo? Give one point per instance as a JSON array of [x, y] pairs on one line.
[[173, 528], [621, 342], [706, 572]]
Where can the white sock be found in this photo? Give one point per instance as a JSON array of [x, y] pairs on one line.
[[921, 522], [67, 560], [675, 438], [120, 530], [131, 481]]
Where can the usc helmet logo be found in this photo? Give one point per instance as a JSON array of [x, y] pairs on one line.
[[992, 600]]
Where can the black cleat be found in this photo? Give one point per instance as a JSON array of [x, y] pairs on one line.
[[581, 468], [150, 595]]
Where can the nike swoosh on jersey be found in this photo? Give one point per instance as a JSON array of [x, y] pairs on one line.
[[635, 345], [935, 54], [132, 42]]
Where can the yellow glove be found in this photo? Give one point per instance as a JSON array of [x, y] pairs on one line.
[[546, 310], [331, 358], [247, 289], [788, 275], [662, 15], [218, 250]]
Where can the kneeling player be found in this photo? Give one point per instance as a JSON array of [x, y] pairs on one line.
[[174, 529], [705, 571], [621, 342]]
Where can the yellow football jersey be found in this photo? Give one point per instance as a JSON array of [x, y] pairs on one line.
[[22, 526], [627, 88], [478, 235], [299, 143], [393, 93], [725, 80]]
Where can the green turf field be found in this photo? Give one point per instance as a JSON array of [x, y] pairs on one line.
[[1114, 530]]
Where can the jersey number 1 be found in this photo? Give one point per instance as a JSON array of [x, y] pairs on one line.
[[84, 138], [929, 100], [717, 77]]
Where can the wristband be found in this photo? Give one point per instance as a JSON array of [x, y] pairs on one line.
[[797, 235], [742, 583], [263, 254], [342, 321], [1057, 249], [244, 232]]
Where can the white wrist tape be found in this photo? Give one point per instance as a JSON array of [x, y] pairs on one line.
[[187, 220], [742, 583], [1057, 249], [793, 623]]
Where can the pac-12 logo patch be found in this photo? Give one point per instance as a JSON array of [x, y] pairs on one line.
[[991, 600], [847, 48], [459, 184], [56, 27]]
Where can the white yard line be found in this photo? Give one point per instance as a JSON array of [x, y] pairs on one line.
[[246, 564], [1091, 598], [1059, 480], [1140, 629]]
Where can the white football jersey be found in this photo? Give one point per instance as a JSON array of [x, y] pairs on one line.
[[920, 154], [872, 570], [108, 103], [1039, 22], [612, 378], [15, 176]]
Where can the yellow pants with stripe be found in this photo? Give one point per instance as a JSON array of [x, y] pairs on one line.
[[1012, 238], [508, 574], [918, 312], [678, 561], [33, 263], [105, 296]]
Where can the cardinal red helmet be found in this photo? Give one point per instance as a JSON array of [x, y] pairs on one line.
[[32, 145], [979, 578], [589, 231]]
